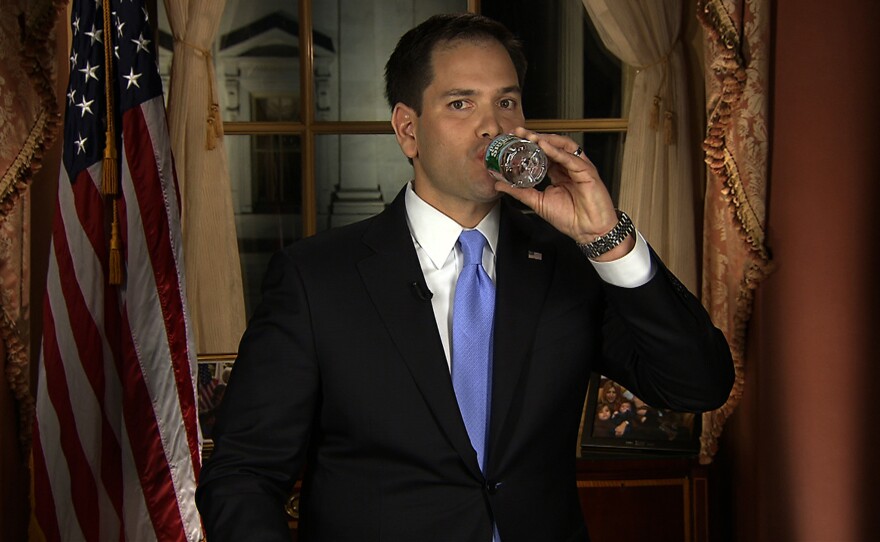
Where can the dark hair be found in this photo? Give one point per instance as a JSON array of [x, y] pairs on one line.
[[409, 71]]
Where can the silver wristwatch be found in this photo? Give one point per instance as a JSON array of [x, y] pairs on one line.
[[623, 229]]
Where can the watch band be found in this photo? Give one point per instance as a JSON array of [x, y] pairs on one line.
[[623, 229]]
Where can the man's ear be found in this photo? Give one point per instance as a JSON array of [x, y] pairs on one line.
[[404, 120]]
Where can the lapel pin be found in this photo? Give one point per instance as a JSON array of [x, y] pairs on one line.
[[535, 255]]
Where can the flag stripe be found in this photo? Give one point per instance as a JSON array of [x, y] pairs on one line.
[[86, 338], [161, 308], [83, 489], [162, 252], [42, 490], [92, 421]]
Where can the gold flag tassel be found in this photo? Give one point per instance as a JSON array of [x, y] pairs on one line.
[[109, 175], [115, 248]]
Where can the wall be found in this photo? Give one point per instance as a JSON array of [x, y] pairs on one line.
[[799, 457]]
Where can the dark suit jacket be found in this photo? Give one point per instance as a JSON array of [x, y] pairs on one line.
[[342, 371]]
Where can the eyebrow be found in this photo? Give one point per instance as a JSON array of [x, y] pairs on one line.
[[513, 89]]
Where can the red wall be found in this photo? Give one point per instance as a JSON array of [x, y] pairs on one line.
[[801, 452]]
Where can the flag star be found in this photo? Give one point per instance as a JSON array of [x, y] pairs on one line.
[[146, 15], [90, 71], [73, 59], [141, 43], [71, 96], [76, 25], [132, 79], [85, 106], [81, 144], [116, 51], [119, 28], [95, 35]]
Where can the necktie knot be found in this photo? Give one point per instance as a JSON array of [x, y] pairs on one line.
[[472, 243]]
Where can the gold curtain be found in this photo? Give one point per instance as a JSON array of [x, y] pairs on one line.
[[735, 258], [213, 268], [29, 123]]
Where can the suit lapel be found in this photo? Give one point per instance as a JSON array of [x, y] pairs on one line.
[[524, 268], [389, 276]]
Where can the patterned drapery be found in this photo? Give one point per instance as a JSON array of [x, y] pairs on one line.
[[29, 123], [735, 258]]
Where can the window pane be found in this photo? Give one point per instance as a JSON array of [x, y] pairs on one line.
[[265, 176], [349, 84], [571, 75], [256, 52], [357, 176]]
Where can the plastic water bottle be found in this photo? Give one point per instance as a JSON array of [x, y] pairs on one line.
[[515, 160]]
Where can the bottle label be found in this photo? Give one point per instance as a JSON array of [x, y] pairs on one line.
[[496, 149]]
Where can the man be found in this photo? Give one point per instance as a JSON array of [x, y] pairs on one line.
[[349, 370]]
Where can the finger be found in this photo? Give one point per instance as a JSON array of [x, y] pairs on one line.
[[562, 142], [528, 196]]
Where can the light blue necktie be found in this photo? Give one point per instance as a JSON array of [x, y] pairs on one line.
[[473, 316]]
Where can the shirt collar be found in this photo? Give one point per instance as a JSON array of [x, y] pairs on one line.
[[437, 234]]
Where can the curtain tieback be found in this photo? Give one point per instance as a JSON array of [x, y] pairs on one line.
[[662, 93], [214, 127]]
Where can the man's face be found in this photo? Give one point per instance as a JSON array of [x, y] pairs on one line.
[[473, 97]]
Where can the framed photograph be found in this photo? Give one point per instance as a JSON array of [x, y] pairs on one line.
[[213, 376], [616, 421]]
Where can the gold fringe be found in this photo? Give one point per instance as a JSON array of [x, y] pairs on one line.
[[33, 46], [116, 276], [728, 65], [18, 377]]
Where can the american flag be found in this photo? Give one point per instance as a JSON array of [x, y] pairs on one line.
[[116, 442]]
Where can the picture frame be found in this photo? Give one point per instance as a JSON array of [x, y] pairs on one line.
[[212, 378], [618, 422]]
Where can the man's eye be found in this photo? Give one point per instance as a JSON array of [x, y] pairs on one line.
[[507, 103], [457, 104]]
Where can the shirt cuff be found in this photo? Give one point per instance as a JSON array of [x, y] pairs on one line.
[[630, 271]]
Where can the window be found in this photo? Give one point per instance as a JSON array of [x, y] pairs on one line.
[[307, 127]]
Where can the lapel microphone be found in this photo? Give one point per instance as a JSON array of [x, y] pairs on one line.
[[421, 291]]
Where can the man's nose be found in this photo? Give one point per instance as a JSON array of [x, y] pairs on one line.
[[490, 125]]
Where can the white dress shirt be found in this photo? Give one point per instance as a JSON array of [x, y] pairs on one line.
[[435, 237]]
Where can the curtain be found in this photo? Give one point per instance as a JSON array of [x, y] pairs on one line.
[[658, 187], [29, 123], [735, 258], [213, 268]]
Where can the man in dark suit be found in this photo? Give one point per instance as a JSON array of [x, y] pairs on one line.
[[343, 375]]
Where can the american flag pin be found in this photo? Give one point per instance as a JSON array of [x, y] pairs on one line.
[[535, 255]]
